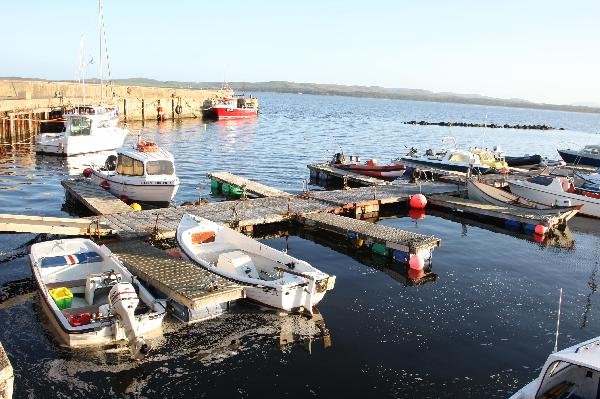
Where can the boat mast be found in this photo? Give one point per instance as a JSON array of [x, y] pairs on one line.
[[82, 67], [100, 42], [558, 321]]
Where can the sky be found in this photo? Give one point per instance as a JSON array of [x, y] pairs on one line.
[[543, 51]]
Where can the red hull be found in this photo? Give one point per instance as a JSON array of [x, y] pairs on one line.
[[223, 113], [385, 172]]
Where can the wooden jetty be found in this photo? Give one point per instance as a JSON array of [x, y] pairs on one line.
[[7, 377], [96, 199], [194, 294], [392, 238], [324, 171], [490, 211], [249, 186], [53, 225]]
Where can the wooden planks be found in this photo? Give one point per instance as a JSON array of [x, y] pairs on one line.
[[7, 377], [181, 280], [96, 199], [52, 225], [390, 237], [250, 186], [326, 169], [491, 211]]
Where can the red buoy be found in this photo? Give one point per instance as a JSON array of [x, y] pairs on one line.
[[105, 185], [416, 262], [418, 201], [541, 229], [415, 274], [87, 172], [416, 214]]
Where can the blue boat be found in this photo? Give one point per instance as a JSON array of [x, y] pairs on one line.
[[588, 155]]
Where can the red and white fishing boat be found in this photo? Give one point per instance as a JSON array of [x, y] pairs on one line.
[[369, 168], [230, 107]]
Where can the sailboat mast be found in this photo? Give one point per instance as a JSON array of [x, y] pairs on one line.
[[100, 43]]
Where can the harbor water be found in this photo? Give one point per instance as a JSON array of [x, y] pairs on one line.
[[480, 326]]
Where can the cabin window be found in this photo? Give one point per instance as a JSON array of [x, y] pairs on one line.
[[458, 158], [80, 126], [129, 167], [160, 168]]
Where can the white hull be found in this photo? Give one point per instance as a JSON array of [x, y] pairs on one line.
[[94, 333], [63, 145], [549, 195], [272, 277], [138, 188]]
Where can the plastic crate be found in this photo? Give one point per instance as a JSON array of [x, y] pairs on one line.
[[62, 296]]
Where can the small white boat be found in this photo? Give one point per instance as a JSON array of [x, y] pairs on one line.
[[86, 129], [272, 277], [143, 172], [456, 160], [553, 191], [569, 373], [487, 194], [91, 298]]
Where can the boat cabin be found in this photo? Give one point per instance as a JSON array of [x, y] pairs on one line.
[[591, 149], [136, 162], [83, 120], [573, 372]]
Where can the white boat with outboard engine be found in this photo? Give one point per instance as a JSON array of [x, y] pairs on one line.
[[487, 194], [86, 129], [91, 298], [552, 190], [143, 172], [569, 373], [272, 277]]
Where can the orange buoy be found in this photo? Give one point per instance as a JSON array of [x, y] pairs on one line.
[[87, 172], [146, 146], [416, 262], [418, 201], [541, 229]]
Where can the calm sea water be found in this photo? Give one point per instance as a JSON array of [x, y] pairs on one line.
[[482, 328]]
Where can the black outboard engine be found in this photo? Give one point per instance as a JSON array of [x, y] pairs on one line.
[[111, 163], [338, 158]]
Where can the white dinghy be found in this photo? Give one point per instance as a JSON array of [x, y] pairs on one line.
[[272, 277], [91, 298]]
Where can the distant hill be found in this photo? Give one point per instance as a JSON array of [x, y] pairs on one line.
[[354, 91]]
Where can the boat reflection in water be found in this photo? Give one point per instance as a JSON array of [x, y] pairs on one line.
[[73, 165]]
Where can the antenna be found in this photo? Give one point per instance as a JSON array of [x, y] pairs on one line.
[[558, 321]]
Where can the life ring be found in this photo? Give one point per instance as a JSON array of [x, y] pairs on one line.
[[178, 109], [146, 146]]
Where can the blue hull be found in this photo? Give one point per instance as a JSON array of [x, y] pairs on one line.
[[577, 159]]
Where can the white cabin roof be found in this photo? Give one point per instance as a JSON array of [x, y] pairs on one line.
[[160, 155], [586, 354]]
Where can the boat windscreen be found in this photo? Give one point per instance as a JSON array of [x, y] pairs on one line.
[[160, 168]]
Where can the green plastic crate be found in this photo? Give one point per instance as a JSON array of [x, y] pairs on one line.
[[62, 296]]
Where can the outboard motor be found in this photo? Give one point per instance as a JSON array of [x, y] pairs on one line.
[[123, 300]]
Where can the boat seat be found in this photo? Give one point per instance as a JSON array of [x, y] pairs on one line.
[[67, 284], [238, 262], [67, 260]]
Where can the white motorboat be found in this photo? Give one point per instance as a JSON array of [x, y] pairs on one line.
[[143, 172], [272, 277], [551, 190], [487, 194], [455, 159], [91, 298], [569, 373], [86, 129]]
